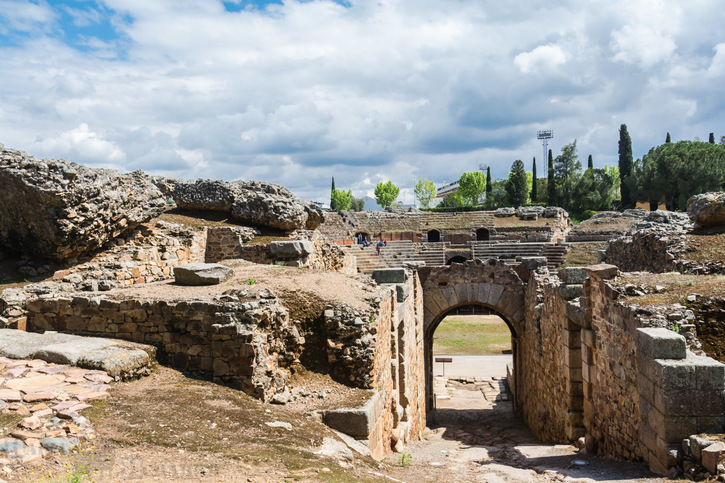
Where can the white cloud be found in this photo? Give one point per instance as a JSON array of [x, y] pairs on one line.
[[303, 91], [542, 58]]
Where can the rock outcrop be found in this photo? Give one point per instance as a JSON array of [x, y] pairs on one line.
[[58, 210], [254, 202], [707, 209]]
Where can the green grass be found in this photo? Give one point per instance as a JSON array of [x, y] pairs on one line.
[[466, 334]]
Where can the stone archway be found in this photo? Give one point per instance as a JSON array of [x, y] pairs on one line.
[[434, 236], [491, 284], [482, 234], [457, 259]]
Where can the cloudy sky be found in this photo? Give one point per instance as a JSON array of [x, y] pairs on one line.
[[295, 92]]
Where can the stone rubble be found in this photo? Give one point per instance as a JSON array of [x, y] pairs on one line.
[[47, 400]]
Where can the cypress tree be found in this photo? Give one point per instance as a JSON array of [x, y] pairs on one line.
[[712, 138], [489, 186], [534, 190], [551, 183], [625, 164], [590, 163], [668, 140], [332, 190]]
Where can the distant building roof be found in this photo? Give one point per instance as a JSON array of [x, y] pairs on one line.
[[447, 189]]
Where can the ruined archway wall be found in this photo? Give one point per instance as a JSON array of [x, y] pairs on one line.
[[542, 361], [491, 283], [612, 412]]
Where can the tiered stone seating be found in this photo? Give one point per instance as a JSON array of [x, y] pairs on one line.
[[509, 251]]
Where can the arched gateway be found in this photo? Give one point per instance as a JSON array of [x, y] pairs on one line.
[[491, 284]]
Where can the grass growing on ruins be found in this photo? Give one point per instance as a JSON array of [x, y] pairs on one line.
[[583, 253], [472, 334]]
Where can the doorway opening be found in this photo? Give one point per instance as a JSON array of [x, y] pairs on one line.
[[482, 234], [434, 236]]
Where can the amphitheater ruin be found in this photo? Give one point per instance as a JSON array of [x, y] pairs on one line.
[[625, 364]]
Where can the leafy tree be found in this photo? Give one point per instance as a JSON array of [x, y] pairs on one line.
[[567, 170], [596, 190], [676, 171], [516, 189], [358, 204], [386, 193], [341, 200], [452, 200], [489, 187], [425, 191], [625, 163], [498, 197], [712, 138], [590, 162], [534, 188], [471, 186], [551, 197], [668, 139]]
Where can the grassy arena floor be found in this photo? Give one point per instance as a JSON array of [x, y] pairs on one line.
[[472, 334]]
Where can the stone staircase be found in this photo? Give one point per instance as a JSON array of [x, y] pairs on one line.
[[367, 258], [508, 252]]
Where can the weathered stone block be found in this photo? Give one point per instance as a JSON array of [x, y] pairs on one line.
[[674, 373], [658, 343], [202, 274], [713, 455], [389, 275], [570, 291], [575, 275], [291, 249], [358, 422], [602, 271], [710, 374]]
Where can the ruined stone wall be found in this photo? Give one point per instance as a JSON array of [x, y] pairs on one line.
[[612, 412], [328, 256], [227, 243], [541, 379], [241, 342], [147, 255]]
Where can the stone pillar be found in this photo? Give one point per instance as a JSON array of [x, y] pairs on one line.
[[680, 394]]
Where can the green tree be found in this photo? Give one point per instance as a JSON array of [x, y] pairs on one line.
[[331, 190], [358, 204], [567, 170], [712, 138], [489, 187], [668, 139], [516, 186], [590, 162], [551, 197], [425, 191], [386, 194], [625, 164], [452, 200], [471, 186], [341, 200], [498, 197], [596, 190], [676, 171], [534, 188]]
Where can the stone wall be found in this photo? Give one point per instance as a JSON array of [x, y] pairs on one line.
[[244, 342]]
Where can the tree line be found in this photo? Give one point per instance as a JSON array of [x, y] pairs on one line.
[[669, 173]]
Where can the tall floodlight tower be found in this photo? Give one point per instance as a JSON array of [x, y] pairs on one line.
[[545, 135]]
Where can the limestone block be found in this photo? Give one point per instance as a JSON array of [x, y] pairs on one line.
[[202, 274], [674, 374], [570, 291], [659, 343], [358, 422], [602, 271], [291, 249], [389, 275], [576, 275], [713, 455], [495, 294], [710, 374]]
